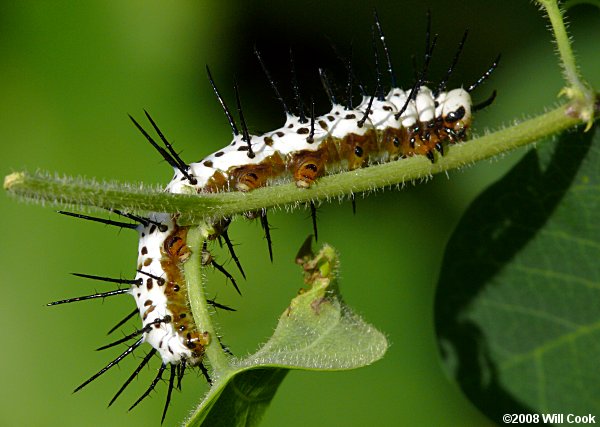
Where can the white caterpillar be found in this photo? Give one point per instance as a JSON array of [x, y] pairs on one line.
[[382, 128], [341, 139], [288, 153]]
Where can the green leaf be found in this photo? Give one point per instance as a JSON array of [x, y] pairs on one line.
[[316, 332], [518, 303]]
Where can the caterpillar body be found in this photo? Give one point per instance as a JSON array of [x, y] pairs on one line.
[[161, 295], [376, 131], [383, 127]]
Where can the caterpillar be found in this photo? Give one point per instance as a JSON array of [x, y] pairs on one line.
[[385, 126]]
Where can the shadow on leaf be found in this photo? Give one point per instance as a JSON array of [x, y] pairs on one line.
[[493, 232]]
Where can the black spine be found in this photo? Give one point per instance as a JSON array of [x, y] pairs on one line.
[[151, 387], [234, 128], [111, 364], [286, 110], [245, 134], [133, 375], [100, 220], [485, 75]]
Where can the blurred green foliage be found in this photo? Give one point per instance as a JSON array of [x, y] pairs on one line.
[[71, 71]]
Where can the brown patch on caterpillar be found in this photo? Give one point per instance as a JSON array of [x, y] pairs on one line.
[[430, 140], [174, 253], [392, 141], [248, 177], [306, 166], [175, 245], [217, 182], [148, 311], [426, 138], [420, 141], [414, 143], [357, 149], [452, 128], [201, 341]]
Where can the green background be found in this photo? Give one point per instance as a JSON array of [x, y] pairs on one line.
[[71, 72]]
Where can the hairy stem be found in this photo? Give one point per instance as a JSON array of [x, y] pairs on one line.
[[577, 89], [563, 44], [198, 304], [196, 208]]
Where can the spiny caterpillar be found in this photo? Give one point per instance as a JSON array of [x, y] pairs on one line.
[[386, 126]]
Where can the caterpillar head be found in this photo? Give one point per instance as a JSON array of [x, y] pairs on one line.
[[456, 111]]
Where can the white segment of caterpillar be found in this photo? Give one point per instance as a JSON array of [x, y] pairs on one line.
[[446, 118]]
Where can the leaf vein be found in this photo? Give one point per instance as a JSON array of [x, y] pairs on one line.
[[563, 339]]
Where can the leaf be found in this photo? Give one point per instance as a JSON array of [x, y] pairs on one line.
[[518, 302], [316, 332]]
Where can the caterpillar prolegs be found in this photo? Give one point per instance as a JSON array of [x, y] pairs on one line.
[[385, 126]]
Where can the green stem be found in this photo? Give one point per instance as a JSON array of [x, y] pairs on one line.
[[202, 312], [195, 208], [577, 89], [563, 44]]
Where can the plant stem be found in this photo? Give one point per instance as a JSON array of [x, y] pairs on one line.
[[199, 307], [563, 44], [577, 89], [195, 208]]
